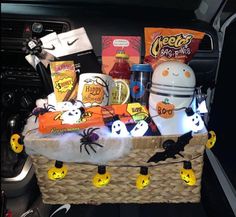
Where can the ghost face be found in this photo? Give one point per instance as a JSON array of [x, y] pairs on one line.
[[174, 74], [139, 129], [72, 116], [118, 128], [175, 81], [195, 122]]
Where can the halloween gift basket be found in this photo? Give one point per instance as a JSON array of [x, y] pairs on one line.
[[147, 147]]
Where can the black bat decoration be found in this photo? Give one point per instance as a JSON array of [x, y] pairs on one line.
[[172, 148]]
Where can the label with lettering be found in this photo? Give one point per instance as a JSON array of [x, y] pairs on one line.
[[92, 93], [137, 111], [64, 84], [165, 44], [120, 92]]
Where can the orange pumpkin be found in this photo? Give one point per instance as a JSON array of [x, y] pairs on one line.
[[165, 109]]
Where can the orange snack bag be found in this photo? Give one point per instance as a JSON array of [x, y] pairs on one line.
[[165, 44], [64, 79]]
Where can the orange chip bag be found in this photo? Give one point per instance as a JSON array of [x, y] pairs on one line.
[[165, 44]]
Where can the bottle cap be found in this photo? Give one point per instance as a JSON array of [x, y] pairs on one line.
[[141, 67]]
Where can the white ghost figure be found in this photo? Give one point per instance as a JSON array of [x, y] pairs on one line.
[[194, 120], [175, 81], [139, 129], [118, 128], [72, 116]]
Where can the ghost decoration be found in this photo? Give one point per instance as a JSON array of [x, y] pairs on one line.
[[139, 129], [175, 81], [118, 128], [194, 120], [72, 116]]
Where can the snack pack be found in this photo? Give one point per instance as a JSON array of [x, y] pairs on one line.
[[65, 81], [165, 44]]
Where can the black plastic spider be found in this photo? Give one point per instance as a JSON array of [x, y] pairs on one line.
[[40, 111], [88, 139]]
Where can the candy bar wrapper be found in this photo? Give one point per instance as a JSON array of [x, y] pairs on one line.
[[65, 80], [167, 44], [76, 119], [110, 44]]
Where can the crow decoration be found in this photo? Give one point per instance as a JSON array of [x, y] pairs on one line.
[[172, 148]]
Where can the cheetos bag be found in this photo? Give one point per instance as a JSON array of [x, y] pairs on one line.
[[165, 44]]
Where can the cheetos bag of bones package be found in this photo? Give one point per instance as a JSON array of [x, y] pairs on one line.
[[166, 44]]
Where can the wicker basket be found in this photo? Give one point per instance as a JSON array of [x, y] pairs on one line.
[[166, 185]]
